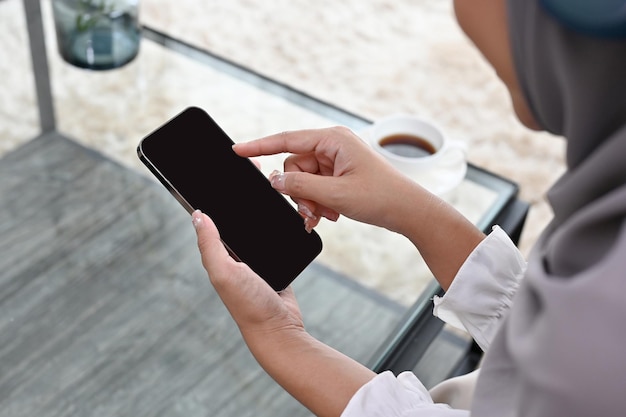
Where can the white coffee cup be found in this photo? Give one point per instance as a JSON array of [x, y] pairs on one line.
[[419, 149]]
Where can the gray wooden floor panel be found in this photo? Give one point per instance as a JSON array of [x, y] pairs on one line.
[[105, 309]]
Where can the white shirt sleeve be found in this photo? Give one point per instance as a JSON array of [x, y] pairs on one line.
[[478, 297], [483, 288], [404, 396]]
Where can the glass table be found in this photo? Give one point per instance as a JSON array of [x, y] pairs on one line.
[[106, 306]]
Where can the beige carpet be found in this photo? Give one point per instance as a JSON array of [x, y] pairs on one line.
[[374, 58]]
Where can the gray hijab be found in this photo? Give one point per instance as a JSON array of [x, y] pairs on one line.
[[562, 349]]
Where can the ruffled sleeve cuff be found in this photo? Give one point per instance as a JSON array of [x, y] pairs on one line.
[[482, 290], [404, 396]]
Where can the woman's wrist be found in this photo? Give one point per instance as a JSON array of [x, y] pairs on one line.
[[442, 235], [321, 378], [259, 340], [406, 206]]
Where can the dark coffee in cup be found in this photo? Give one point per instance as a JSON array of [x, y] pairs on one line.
[[407, 145]]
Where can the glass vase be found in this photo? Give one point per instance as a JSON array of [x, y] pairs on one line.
[[97, 34]]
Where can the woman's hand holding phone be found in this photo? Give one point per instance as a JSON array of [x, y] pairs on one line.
[[271, 325], [251, 301]]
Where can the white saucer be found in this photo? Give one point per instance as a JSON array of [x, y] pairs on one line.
[[443, 179]]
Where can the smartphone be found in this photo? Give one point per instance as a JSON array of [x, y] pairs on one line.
[[193, 158]]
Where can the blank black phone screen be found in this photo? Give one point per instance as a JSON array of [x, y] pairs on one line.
[[193, 157]]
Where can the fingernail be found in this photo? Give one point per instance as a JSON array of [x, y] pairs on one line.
[[307, 225], [305, 211], [277, 179], [196, 218]]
